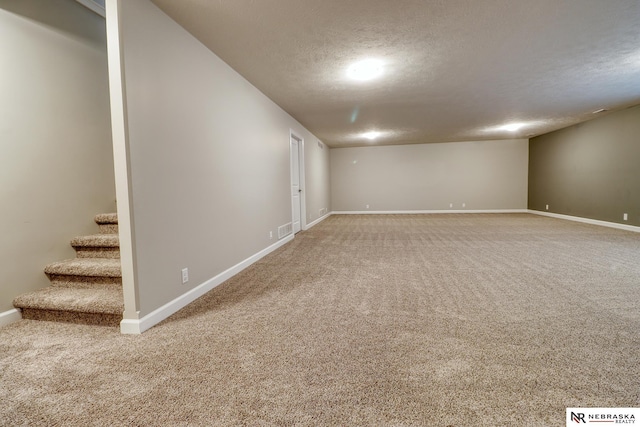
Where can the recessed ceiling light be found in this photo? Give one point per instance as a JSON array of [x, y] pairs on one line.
[[512, 127], [367, 69], [371, 135]]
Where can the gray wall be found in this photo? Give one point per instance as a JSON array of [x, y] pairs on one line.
[[56, 168], [485, 175], [209, 159], [590, 170]]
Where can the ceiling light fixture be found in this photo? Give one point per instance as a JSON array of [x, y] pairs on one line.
[[367, 69], [371, 134], [512, 127]]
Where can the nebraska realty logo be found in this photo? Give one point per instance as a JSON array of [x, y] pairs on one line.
[[581, 416]]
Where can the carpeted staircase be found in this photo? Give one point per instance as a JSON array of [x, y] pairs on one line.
[[86, 289]]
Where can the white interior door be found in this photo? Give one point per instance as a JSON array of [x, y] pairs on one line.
[[295, 184]]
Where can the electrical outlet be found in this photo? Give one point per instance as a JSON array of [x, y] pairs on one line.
[[450, 205], [185, 275], [547, 207], [367, 206], [270, 235], [464, 205], [625, 217]]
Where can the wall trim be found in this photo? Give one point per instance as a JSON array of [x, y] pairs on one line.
[[10, 316], [318, 221], [138, 326], [436, 211], [588, 221], [121, 162]]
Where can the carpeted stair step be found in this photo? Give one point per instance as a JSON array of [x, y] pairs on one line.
[[85, 272], [107, 223], [86, 289], [99, 306], [97, 246]]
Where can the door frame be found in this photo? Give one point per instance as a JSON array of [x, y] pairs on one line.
[[303, 210]]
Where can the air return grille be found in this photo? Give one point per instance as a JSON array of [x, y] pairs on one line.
[[284, 230]]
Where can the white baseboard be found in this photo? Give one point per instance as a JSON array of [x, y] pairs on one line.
[[10, 316], [588, 221], [318, 221], [138, 326], [463, 211]]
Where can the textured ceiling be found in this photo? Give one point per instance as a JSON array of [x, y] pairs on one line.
[[453, 69]]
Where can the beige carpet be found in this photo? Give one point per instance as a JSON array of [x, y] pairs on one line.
[[416, 320]]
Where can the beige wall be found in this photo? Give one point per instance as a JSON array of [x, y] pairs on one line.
[[590, 170], [208, 155], [485, 175], [56, 168], [317, 179]]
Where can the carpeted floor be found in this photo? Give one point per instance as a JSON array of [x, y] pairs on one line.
[[412, 320]]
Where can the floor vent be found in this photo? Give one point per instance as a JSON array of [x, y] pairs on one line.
[[284, 230]]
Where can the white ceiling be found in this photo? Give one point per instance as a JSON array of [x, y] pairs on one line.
[[453, 68]]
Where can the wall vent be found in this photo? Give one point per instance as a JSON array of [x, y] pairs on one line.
[[284, 230]]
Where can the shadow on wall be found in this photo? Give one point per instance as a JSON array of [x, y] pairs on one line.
[[53, 14]]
